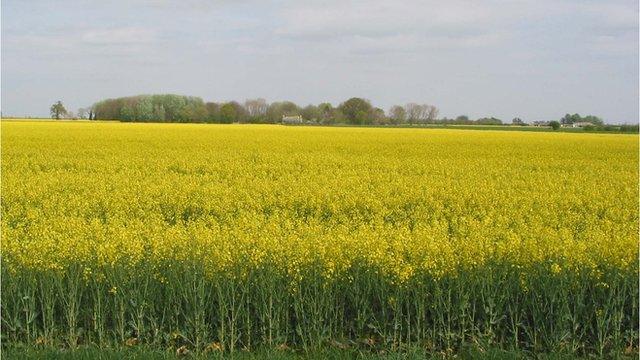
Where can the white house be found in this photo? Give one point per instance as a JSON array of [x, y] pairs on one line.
[[581, 124], [297, 119]]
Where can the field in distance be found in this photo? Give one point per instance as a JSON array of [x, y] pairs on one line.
[[226, 237]]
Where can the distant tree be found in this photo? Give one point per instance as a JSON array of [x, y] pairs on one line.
[[488, 121], [517, 121], [555, 125], [179, 108], [356, 110], [326, 113], [228, 113], [107, 109], [629, 128], [462, 119], [193, 112], [82, 113], [256, 109], [289, 108], [593, 119], [277, 110], [58, 110], [377, 116], [213, 112], [158, 113], [310, 113], [576, 118], [432, 113], [569, 119], [143, 109], [415, 112], [420, 113], [397, 114], [339, 117], [172, 105], [127, 113]]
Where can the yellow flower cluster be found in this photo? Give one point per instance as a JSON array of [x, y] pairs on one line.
[[301, 199]]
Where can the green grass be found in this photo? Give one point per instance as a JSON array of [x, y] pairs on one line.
[[89, 353]]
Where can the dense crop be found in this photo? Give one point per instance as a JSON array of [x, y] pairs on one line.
[[227, 237]]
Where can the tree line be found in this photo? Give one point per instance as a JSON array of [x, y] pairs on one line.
[[354, 111], [178, 108]]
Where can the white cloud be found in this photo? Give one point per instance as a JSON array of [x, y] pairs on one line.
[[409, 26], [379, 18], [614, 45], [121, 35], [613, 15], [461, 54], [404, 44]]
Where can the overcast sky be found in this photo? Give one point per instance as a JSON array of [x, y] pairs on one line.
[[536, 59]]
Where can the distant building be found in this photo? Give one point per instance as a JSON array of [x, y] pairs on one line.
[[540, 123], [291, 119], [581, 124]]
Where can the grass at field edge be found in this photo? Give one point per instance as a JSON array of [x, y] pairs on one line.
[[504, 127], [87, 353]]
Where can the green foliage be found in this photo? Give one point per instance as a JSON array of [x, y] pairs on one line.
[[569, 119], [193, 111], [554, 125], [333, 351], [327, 113], [58, 110], [549, 312], [356, 110], [277, 110], [593, 120], [144, 109], [377, 116], [397, 114], [228, 113], [627, 128], [158, 113], [462, 119], [489, 121], [170, 108], [310, 113], [127, 113], [213, 112]]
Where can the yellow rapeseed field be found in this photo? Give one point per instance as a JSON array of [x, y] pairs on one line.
[[244, 235]]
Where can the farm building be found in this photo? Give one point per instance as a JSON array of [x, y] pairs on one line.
[[580, 124], [297, 119]]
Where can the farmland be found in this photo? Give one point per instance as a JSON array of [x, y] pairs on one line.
[[226, 237]]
